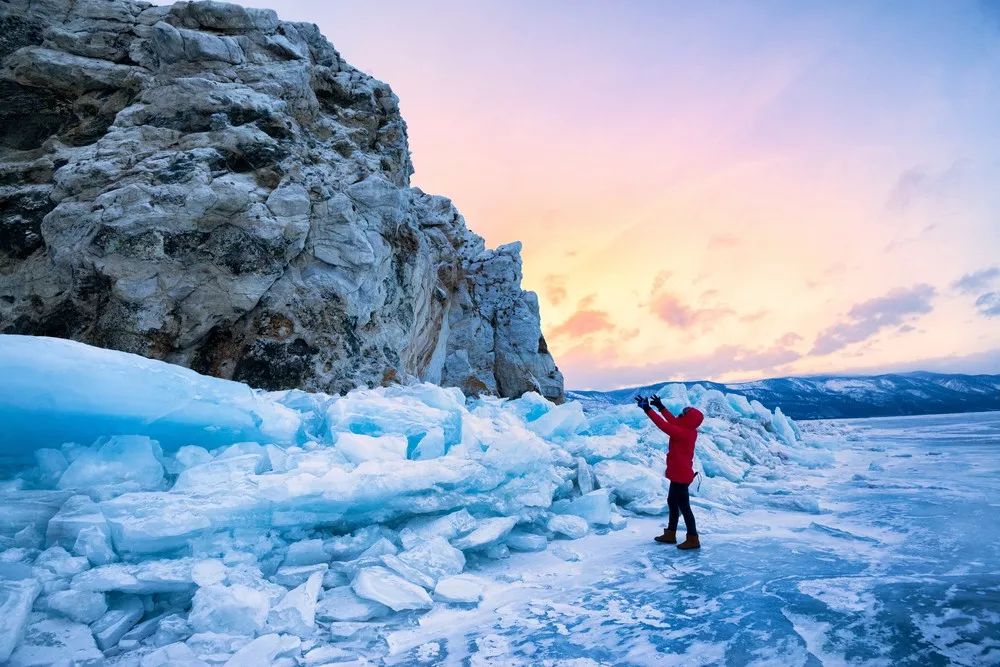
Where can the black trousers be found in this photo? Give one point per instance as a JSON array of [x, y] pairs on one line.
[[679, 503]]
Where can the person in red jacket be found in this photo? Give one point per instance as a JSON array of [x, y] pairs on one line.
[[683, 431]]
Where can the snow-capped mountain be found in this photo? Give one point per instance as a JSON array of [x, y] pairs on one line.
[[845, 396]]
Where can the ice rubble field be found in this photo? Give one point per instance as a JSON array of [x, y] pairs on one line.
[[154, 516]]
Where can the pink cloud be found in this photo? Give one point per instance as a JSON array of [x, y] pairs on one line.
[[669, 308], [584, 322]]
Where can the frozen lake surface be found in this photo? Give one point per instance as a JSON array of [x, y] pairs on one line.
[[901, 566]]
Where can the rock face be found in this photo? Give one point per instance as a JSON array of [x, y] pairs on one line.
[[205, 184]]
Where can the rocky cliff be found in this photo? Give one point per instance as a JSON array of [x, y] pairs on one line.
[[206, 184]]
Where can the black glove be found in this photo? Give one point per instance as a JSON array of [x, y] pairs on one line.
[[656, 402], [642, 402]]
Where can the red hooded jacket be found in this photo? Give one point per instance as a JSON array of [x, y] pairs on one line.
[[683, 431]]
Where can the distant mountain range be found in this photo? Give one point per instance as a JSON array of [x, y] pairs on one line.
[[846, 396]]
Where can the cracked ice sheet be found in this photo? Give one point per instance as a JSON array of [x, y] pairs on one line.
[[900, 565]]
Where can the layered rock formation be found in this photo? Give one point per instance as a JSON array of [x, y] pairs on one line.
[[208, 185]]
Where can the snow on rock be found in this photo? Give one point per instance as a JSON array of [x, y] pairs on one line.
[[311, 533], [386, 587], [235, 197]]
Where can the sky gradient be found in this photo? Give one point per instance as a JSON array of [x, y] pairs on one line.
[[725, 191]]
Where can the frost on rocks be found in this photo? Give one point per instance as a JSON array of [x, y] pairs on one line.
[[310, 541], [212, 186]]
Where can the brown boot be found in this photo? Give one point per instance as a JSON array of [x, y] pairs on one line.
[[691, 542], [668, 537]]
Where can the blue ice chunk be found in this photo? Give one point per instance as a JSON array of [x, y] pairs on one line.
[[56, 641], [486, 532], [295, 613], [629, 481], [105, 392], [237, 609], [593, 507], [60, 562], [122, 463], [461, 589], [266, 651], [783, 427], [584, 475], [430, 445], [407, 411], [343, 604], [94, 544], [306, 552], [232, 472], [530, 406], [386, 587], [122, 614], [434, 557], [449, 526], [192, 455], [16, 598], [51, 463], [524, 541], [561, 421], [569, 525], [29, 507], [77, 513], [79, 606], [145, 577], [290, 576], [359, 448], [674, 396], [177, 654]]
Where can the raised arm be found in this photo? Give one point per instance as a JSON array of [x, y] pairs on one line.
[[667, 427], [658, 404]]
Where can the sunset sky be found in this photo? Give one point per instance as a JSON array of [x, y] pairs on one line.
[[726, 191]]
